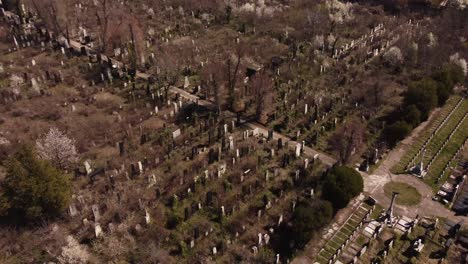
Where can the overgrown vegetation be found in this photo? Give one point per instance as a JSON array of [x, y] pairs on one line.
[[420, 99], [341, 184], [33, 189]]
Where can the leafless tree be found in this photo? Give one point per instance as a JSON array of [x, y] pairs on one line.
[[232, 72], [213, 78], [347, 139], [263, 91], [55, 14]]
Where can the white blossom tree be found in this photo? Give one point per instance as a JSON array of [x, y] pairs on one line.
[[73, 252], [456, 59], [460, 4], [58, 148], [339, 12], [393, 56]]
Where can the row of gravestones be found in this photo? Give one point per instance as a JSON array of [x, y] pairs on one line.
[[42, 36], [388, 246], [360, 253], [446, 142], [339, 250], [360, 42], [384, 253], [426, 142], [454, 156]]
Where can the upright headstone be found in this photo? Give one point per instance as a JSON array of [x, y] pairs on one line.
[[96, 214], [298, 149]]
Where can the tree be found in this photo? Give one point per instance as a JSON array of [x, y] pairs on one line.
[[412, 115], [55, 14], [423, 94], [212, 76], [263, 89], [345, 140], [33, 188], [393, 57], [460, 62], [232, 72], [396, 132], [308, 218], [341, 185], [57, 148]]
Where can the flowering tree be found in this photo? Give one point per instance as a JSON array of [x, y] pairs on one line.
[[57, 148], [393, 56], [461, 62], [339, 12], [73, 252]]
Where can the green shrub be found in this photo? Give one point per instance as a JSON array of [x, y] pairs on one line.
[[308, 218], [341, 185], [33, 188], [412, 115], [422, 94], [396, 132]]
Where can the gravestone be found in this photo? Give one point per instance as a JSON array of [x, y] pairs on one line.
[[298, 149], [88, 167], [97, 230], [147, 217], [270, 135], [176, 134], [72, 210]]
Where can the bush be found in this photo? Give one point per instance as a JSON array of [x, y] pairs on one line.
[[173, 220], [422, 94], [33, 188], [412, 115], [446, 79], [308, 218], [341, 185], [396, 132]]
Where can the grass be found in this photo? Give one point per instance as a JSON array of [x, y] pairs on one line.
[[361, 240], [377, 211], [408, 194]]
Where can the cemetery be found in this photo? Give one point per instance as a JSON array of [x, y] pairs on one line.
[[227, 131]]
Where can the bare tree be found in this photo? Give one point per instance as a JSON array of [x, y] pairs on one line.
[[263, 91], [347, 139], [232, 72], [58, 148], [55, 14], [212, 76]]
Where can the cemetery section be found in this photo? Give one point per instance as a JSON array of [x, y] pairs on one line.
[[221, 132], [437, 148]]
